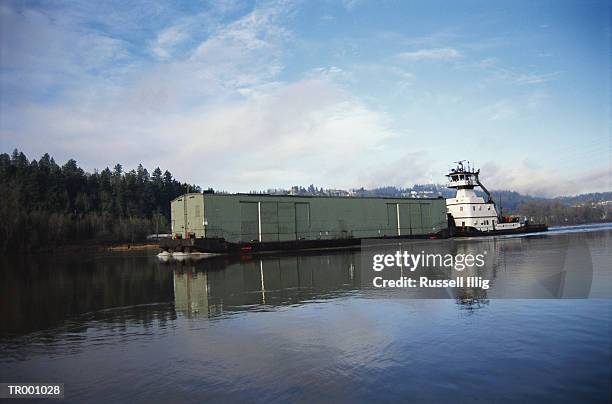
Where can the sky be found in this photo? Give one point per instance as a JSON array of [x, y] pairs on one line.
[[243, 95]]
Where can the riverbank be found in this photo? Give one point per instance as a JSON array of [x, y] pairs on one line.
[[133, 247], [90, 247]]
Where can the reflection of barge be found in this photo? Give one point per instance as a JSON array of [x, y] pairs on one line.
[[250, 223]]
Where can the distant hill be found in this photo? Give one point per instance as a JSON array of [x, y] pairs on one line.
[[509, 200], [577, 209], [585, 198]]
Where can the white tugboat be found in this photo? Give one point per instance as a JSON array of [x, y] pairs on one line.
[[470, 215]]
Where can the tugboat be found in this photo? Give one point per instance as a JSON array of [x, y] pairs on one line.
[[469, 215]]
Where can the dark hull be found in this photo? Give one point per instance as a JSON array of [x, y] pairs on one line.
[[473, 232], [220, 246]]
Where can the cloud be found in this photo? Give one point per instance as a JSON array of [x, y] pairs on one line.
[[539, 181], [394, 172], [510, 108], [349, 5], [215, 95], [310, 131], [168, 39], [216, 115], [499, 110], [536, 78], [431, 54], [517, 76]]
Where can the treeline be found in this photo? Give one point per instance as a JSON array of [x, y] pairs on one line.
[[555, 213], [47, 205]]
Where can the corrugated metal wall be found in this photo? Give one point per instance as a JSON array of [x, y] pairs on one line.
[[188, 209], [282, 218]]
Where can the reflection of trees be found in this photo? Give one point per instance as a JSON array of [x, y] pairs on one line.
[[39, 291]]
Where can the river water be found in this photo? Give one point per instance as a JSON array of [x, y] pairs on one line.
[[311, 327]]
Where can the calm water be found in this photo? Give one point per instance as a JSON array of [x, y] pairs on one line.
[[125, 327]]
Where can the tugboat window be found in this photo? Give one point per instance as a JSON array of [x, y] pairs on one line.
[[461, 208]]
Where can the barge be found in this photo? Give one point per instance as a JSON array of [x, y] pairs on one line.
[[252, 223], [255, 223]]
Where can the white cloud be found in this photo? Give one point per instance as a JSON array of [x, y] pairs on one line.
[[217, 115], [167, 40], [310, 131], [407, 169], [507, 109], [206, 97], [532, 78], [431, 54], [349, 5], [499, 110], [539, 181]]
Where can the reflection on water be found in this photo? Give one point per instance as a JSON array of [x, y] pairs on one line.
[[562, 266], [312, 327], [37, 292], [212, 286]]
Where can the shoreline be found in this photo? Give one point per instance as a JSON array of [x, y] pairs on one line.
[[133, 247], [90, 248]]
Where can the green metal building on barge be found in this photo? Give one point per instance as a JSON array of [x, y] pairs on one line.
[[222, 223]]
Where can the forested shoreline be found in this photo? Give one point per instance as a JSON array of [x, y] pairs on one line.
[[45, 205], [555, 213]]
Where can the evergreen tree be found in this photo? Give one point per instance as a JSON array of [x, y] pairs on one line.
[[44, 205]]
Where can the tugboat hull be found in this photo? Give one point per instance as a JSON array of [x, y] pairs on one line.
[[473, 232]]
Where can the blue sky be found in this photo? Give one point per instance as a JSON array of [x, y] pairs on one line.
[[251, 95]]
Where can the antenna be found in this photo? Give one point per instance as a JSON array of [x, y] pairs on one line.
[[459, 164]]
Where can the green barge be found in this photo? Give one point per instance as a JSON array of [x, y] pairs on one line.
[[246, 223]]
